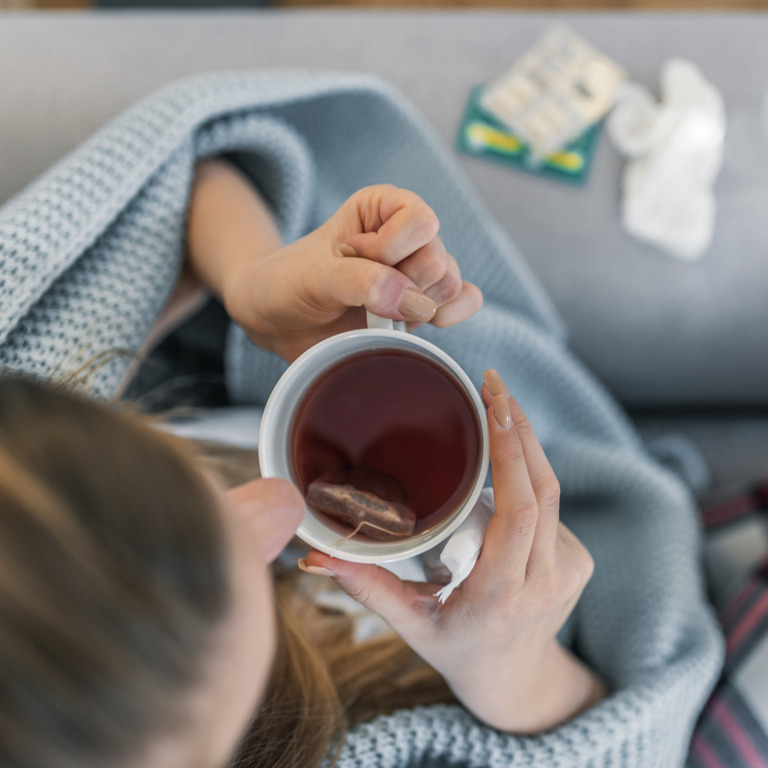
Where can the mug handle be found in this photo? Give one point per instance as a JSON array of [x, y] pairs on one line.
[[383, 323]]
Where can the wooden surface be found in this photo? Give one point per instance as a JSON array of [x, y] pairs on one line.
[[44, 4], [691, 5], [539, 5]]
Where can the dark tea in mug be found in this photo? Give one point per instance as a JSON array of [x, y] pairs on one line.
[[393, 414]]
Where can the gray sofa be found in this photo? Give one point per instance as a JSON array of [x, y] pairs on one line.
[[683, 346]]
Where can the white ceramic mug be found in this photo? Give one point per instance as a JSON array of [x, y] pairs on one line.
[[275, 451]]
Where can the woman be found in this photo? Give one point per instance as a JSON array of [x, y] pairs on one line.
[[89, 254], [140, 625]]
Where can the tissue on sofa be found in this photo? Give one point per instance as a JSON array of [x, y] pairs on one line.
[[675, 151]]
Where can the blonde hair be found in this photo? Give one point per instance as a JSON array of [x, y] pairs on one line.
[[113, 577], [112, 574], [324, 681]]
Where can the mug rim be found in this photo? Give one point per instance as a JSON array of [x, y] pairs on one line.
[[356, 550]]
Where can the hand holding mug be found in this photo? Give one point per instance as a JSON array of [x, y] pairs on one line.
[[379, 252], [494, 640]]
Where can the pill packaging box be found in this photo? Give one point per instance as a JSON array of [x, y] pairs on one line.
[[482, 135], [554, 92]]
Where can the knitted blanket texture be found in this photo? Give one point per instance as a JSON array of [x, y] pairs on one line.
[[89, 255]]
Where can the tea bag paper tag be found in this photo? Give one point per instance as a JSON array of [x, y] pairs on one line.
[[460, 553]]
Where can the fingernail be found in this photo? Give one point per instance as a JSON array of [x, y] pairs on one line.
[[495, 384], [345, 249], [316, 570], [501, 412], [414, 305]]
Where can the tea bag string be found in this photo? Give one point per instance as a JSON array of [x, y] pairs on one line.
[[362, 523]]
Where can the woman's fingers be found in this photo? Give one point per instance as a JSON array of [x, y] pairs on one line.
[[431, 266], [435, 271], [272, 508], [545, 486], [395, 223], [469, 301], [396, 228], [510, 535], [437, 274], [385, 291], [542, 477], [493, 385], [402, 604]]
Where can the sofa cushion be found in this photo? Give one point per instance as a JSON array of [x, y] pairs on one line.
[[656, 330]]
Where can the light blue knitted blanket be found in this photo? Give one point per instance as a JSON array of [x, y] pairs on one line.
[[89, 255]]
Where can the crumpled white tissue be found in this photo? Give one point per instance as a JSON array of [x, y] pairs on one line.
[[460, 553], [675, 151]]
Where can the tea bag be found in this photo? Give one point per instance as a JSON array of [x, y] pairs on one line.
[[369, 502]]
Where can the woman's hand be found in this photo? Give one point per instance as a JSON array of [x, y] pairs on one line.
[[380, 252], [494, 639]]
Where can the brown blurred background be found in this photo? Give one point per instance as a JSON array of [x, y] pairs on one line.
[[522, 4]]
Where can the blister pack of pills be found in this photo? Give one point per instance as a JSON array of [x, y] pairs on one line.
[[481, 135], [554, 92]]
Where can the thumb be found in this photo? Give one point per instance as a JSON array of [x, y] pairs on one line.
[[383, 290], [404, 605]]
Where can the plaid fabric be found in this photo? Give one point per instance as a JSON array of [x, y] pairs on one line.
[[733, 729], [754, 502]]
